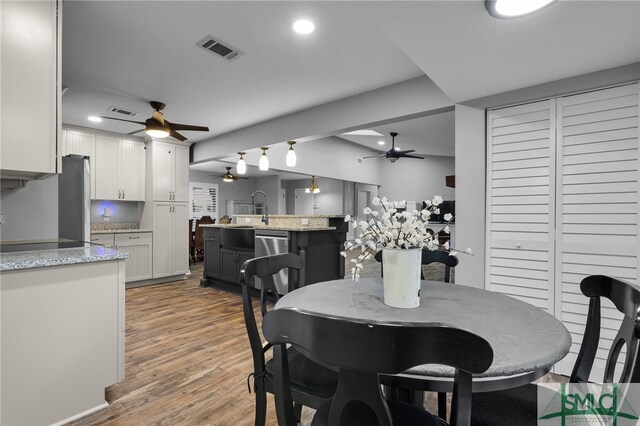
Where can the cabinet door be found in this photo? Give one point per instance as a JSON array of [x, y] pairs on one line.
[[162, 240], [132, 171], [163, 163], [138, 247], [106, 240], [181, 239], [212, 258], [243, 256], [181, 182], [106, 167], [228, 265], [29, 96], [81, 143]]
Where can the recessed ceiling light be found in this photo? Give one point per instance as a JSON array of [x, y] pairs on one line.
[[363, 132], [380, 142], [514, 8], [94, 118], [303, 26]]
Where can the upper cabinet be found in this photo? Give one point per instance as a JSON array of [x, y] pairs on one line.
[[169, 171], [119, 169], [81, 143], [30, 80]]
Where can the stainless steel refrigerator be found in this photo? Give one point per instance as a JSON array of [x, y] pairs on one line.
[[74, 198]]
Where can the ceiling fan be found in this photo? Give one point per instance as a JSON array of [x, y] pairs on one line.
[[158, 127], [393, 154], [228, 177]]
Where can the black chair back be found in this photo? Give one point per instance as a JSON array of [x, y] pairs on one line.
[[363, 350], [264, 268], [626, 298], [428, 257]]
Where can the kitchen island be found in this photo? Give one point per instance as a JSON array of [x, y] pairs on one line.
[[317, 239], [62, 332]]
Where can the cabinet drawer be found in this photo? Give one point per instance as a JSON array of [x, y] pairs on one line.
[[103, 239], [133, 238]]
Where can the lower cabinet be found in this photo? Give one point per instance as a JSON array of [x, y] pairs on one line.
[[212, 257], [138, 245], [139, 248], [230, 263]]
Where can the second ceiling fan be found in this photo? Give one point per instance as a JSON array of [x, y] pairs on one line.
[[392, 155], [158, 127]]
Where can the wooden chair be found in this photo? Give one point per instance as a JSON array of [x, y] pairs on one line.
[[198, 245], [428, 257], [311, 384], [519, 405], [362, 351], [192, 235]]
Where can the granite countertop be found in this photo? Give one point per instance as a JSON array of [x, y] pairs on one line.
[[271, 227], [118, 231], [57, 257]]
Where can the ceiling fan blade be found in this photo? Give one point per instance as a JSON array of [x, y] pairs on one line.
[[158, 116], [375, 156], [410, 156], [405, 152], [137, 131], [178, 126], [177, 135], [120, 119], [240, 177]]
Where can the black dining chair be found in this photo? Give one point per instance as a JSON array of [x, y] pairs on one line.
[[362, 351], [429, 257], [519, 405], [311, 384]]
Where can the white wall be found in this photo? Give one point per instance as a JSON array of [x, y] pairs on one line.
[[239, 190], [470, 194], [31, 213], [416, 180], [271, 186]]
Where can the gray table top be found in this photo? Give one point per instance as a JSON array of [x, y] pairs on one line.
[[524, 338]]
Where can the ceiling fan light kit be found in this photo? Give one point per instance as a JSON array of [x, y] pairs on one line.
[[158, 127], [241, 167], [264, 161], [291, 155]]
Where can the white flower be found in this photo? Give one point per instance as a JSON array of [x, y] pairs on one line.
[[375, 213], [468, 251], [453, 253], [446, 230], [448, 217], [437, 200], [375, 201], [446, 245], [366, 210], [347, 218], [354, 261], [358, 241], [371, 245], [427, 203], [343, 253]]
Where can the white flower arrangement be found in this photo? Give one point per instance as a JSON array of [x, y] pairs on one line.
[[390, 228]]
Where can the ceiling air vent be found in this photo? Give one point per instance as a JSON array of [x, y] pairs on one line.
[[219, 48], [121, 111]]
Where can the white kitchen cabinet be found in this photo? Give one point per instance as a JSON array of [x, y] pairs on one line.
[[30, 80], [107, 240], [169, 171], [170, 239], [138, 245], [119, 169], [81, 143]]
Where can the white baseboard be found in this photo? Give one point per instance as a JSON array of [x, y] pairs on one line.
[[84, 413]]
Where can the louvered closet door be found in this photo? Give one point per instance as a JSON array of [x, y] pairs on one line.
[[597, 210], [520, 196]]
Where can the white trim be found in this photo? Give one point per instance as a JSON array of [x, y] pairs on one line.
[[80, 415], [487, 203]]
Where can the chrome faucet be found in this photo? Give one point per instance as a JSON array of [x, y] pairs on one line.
[[265, 216]]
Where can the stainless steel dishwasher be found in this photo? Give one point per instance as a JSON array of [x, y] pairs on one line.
[[273, 242]]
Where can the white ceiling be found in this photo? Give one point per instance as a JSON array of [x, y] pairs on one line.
[[218, 168], [126, 53]]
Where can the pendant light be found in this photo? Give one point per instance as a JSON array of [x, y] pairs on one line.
[[241, 167], [264, 161], [291, 155], [313, 188]]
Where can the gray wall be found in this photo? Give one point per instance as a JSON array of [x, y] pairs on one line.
[[239, 190], [271, 186], [30, 213], [416, 180], [330, 200], [121, 211]]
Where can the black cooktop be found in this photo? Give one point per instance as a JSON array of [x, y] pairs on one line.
[[30, 246]]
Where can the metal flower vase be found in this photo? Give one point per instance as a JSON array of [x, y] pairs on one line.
[[401, 279]]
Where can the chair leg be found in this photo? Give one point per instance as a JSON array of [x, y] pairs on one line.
[[298, 411], [442, 405], [261, 403]]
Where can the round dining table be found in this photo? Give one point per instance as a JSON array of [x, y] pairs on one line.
[[526, 340]]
